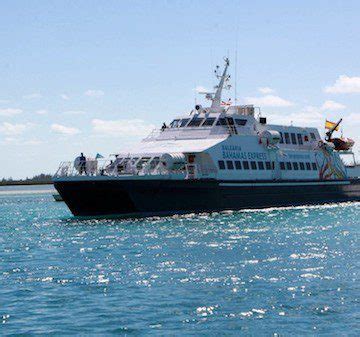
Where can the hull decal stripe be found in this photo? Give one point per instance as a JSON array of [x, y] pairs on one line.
[[310, 183]]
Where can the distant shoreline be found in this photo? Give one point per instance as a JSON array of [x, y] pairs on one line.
[[22, 183], [40, 179]]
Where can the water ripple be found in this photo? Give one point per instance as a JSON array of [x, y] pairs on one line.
[[261, 272]]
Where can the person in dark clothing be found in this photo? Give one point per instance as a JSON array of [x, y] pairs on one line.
[[163, 127], [82, 163]]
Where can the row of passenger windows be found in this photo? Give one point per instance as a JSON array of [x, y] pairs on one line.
[[295, 138], [298, 166], [195, 122], [260, 165]]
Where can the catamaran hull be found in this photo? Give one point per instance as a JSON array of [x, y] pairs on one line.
[[129, 198]]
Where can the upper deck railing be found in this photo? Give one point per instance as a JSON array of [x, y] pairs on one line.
[[95, 167], [122, 167], [153, 135], [201, 132], [126, 167]]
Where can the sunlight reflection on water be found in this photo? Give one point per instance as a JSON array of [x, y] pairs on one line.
[[273, 271]]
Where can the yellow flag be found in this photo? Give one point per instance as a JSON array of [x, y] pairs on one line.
[[330, 125]]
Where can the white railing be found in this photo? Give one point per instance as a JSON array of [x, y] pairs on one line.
[[91, 167], [153, 135], [121, 167], [196, 132]]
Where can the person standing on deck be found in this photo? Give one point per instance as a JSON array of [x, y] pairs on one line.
[[82, 164]]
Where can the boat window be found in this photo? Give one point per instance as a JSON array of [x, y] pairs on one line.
[[312, 135], [308, 167], [281, 138], [221, 121], [139, 164], [241, 122], [282, 165], [184, 122], [293, 138], [142, 162], [268, 165], [134, 160], [121, 165], [195, 122], [238, 164], [154, 162], [314, 166], [209, 122], [299, 138], [296, 166], [302, 166], [230, 165], [253, 165], [246, 165], [175, 123], [287, 138], [288, 166], [261, 165], [221, 165]]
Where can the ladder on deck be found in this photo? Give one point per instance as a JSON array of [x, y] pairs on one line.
[[231, 126]]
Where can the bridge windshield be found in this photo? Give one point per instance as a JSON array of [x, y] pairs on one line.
[[195, 122]]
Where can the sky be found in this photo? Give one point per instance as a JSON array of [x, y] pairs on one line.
[[97, 76]]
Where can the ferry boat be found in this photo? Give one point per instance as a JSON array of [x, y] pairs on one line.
[[220, 157]]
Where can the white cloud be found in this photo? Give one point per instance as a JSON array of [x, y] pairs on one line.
[[9, 140], [122, 128], [74, 112], [310, 116], [10, 129], [94, 93], [18, 141], [332, 106], [64, 130], [10, 112], [344, 85], [34, 95], [32, 142], [269, 101], [41, 112], [200, 89], [65, 97], [354, 118], [266, 90]]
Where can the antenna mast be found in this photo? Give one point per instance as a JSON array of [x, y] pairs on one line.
[[216, 101], [235, 87]]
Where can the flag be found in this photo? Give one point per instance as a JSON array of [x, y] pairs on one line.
[[330, 125], [98, 156], [228, 103]]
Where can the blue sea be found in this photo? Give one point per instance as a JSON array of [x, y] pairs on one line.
[[273, 272]]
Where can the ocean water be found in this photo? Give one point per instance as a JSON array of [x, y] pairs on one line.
[[290, 271]]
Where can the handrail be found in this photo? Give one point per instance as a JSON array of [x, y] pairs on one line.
[[117, 167], [153, 134]]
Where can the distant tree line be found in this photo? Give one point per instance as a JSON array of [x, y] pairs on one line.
[[36, 180]]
